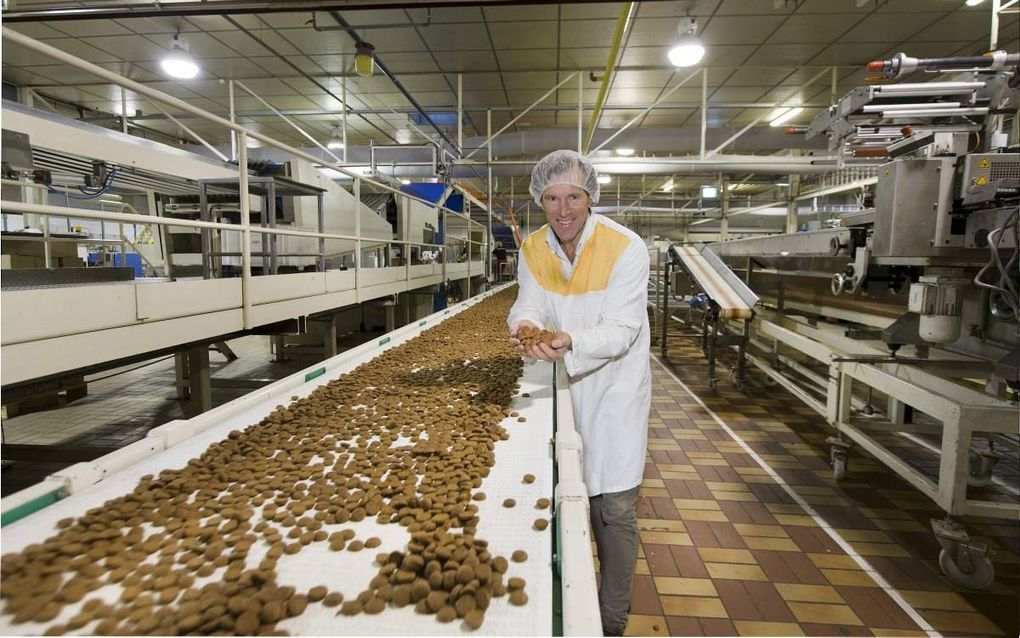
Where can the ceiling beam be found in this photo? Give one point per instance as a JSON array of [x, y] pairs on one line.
[[183, 9]]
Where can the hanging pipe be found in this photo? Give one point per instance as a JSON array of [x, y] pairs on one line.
[[622, 24]]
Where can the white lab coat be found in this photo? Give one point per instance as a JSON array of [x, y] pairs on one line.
[[601, 302]]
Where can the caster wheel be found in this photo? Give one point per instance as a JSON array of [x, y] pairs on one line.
[[838, 468], [712, 383], [980, 575]]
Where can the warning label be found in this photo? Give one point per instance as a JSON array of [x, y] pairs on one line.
[[981, 181], [984, 164]]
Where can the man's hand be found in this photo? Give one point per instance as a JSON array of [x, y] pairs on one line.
[[553, 351], [515, 343]]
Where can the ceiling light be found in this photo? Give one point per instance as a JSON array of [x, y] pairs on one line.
[[405, 182], [668, 186], [784, 116], [336, 140], [364, 60], [605, 179], [782, 183], [688, 50], [178, 63], [973, 3], [625, 152], [709, 192]]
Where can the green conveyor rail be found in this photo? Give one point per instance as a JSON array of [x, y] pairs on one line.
[[30, 507]]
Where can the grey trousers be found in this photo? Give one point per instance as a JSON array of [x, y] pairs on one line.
[[614, 525]]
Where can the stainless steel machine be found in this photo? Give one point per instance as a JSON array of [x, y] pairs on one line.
[[904, 318]]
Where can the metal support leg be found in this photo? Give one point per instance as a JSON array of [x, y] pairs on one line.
[[181, 376], [198, 379], [664, 309], [279, 344], [225, 350], [391, 319], [329, 341]]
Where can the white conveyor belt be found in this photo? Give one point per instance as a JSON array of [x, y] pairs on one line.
[[528, 451], [735, 299]]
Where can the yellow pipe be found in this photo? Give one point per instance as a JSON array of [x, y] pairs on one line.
[[622, 23]]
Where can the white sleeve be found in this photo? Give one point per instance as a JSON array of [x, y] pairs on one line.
[[530, 304], [624, 313]]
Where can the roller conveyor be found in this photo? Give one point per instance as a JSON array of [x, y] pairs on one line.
[[528, 450]]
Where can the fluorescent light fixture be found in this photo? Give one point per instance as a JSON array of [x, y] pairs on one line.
[[688, 50], [973, 3], [251, 142], [783, 116], [734, 185], [605, 179], [336, 139], [364, 60], [624, 152], [178, 63], [782, 183], [667, 187], [709, 192], [405, 182]]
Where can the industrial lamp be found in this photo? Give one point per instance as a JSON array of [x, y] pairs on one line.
[[178, 63], [336, 139], [688, 50], [364, 60]]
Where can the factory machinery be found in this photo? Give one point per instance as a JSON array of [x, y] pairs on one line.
[[902, 319], [536, 440]]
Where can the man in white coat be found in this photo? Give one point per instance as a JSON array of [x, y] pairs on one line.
[[586, 276]]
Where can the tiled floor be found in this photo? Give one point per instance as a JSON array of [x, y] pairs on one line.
[[725, 550]]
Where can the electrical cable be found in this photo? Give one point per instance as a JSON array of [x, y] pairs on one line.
[[104, 189], [1005, 288], [147, 363]]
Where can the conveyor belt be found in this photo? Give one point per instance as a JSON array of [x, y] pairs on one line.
[[735, 299], [528, 450]]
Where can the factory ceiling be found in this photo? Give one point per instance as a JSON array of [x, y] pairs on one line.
[[298, 58]]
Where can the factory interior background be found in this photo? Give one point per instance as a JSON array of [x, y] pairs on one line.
[[257, 259]]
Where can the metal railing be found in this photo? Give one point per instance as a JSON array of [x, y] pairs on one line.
[[244, 228]]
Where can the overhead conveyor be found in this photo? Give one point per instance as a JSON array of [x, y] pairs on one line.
[[715, 291]]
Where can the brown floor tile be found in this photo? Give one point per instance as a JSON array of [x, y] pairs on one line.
[[738, 601], [684, 626], [775, 567], [873, 606], [803, 568], [660, 560], [701, 534], [727, 535], [664, 508], [716, 627], [771, 605], [643, 598], [688, 562], [677, 488]]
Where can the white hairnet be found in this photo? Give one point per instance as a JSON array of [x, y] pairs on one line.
[[564, 167]]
